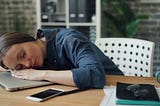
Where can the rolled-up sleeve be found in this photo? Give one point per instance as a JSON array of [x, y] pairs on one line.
[[88, 77], [88, 71]]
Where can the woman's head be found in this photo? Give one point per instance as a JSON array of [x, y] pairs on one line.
[[15, 47], [9, 39]]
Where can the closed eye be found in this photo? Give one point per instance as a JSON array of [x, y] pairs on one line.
[[22, 55], [19, 67]]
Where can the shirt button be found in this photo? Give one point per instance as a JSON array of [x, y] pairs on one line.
[[55, 61]]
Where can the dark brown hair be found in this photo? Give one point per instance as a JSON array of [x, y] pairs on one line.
[[10, 38]]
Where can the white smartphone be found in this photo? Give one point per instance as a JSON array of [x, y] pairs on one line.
[[44, 95]]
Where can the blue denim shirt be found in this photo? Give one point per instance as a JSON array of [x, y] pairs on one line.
[[74, 51]]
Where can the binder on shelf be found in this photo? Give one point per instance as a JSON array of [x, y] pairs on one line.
[[73, 10], [82, 10]]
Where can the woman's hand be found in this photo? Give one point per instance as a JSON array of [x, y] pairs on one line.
[[29, 74], [61, 77]]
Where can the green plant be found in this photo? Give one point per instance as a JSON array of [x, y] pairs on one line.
[[122, 20]]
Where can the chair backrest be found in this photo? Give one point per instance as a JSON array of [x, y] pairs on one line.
[[133, 56]]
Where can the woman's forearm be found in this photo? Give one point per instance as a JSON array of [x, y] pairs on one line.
[[61, 77]]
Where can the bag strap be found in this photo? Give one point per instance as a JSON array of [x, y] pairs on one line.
[[74, 91]]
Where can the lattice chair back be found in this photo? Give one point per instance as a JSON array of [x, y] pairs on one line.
[[133, 56]]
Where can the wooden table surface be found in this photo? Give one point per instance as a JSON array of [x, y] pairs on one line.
[[85, 98]]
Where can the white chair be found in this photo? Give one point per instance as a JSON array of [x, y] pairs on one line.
[[133, 56]]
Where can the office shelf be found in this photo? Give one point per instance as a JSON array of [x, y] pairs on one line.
[[58, 13]]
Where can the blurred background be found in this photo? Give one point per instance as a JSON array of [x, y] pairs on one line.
[[92, 17]]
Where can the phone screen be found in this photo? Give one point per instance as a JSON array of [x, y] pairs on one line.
[[46, 93]]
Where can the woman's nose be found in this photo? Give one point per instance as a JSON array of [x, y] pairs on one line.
[[27, 64]]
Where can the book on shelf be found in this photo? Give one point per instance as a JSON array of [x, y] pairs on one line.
[[73, 10]]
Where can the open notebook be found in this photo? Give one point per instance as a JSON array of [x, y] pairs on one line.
[[12, 84]]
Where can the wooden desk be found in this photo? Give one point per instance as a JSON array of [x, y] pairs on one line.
[[86, 98]]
